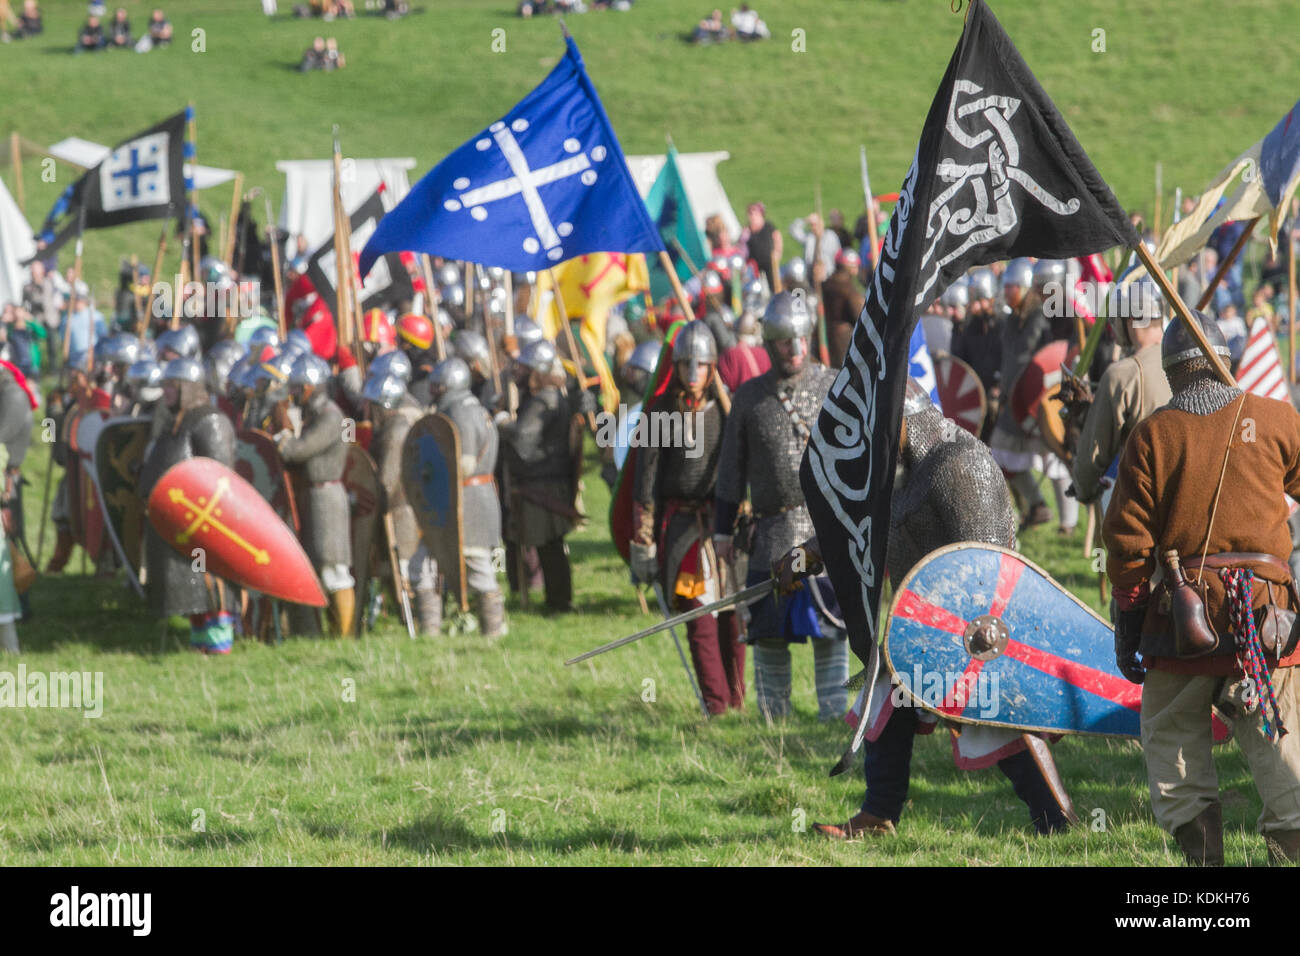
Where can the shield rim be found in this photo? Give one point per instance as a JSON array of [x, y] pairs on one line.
[[917, 702], [942, 357], [103, 507], [461, 590]]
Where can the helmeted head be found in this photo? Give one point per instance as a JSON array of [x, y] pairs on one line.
[[640, 365], [1137, 305], [695, 356], [540, 358], [377, 332], [956, 299], [120, 351], [308, 374], [182, 378], [144, 380], [527, 332], [448, 274], [787, 325], [383, 387], [262, 336], [393, 363], [415, 331], [1017, 281], [1049, 274], [177, 343], [219, 362], [297, 342], [471, 347], [983, 284], [449, 379], [794, 274], [271, 378], [1181, 357]]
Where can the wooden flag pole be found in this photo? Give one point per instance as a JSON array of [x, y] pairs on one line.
[[511, 392], [1226, 264], [872, 236], [678, 288], [469, 288], [342, 278], [178, 298], [275, 269], [431, 299], [1180, 309], [16, 157], [776, 275], [76, 279], [574, 353], [228, 251]]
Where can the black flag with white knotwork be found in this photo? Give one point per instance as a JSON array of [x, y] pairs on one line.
[[997, 174]]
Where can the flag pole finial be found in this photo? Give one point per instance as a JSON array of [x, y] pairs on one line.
[[564, 29]]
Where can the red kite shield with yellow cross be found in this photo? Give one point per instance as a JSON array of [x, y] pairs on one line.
[[202, 508]]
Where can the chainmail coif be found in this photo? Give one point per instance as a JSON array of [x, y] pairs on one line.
[[1197, 389]]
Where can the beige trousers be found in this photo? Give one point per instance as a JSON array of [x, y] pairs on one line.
[[1177, 744]]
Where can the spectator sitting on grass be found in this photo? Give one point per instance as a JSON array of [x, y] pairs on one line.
[[711, 29], [334, 60], [747, 25], [119, 31], [314, 58], [396, 8], [91, 36], [29, 21], [160, 29]]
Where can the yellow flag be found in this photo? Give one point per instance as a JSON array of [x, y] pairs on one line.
[[589, 286]]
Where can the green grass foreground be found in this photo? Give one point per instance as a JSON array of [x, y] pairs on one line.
[[457, 751]]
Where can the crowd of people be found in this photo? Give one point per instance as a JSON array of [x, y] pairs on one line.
[[750, 350], [534, 8], [745, 24], [95, 35]]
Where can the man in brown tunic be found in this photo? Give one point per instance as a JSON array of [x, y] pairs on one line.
[[1167, 497], [843, 301]]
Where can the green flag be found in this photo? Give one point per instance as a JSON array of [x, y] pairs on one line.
[[672, 214]]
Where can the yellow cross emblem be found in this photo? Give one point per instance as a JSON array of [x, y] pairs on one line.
[[205, 515]]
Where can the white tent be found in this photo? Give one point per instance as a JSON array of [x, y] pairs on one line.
[[703, 188], [87, 155], [307, 209], [16, 246]]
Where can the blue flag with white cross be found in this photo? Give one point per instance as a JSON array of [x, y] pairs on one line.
[[543, 184]]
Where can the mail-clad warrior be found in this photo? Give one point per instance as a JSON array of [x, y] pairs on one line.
[[195, 429], [950, 490], [537, 448], [321, 455], [450, 384], [673, 512], [1196, 549], [769, 425]]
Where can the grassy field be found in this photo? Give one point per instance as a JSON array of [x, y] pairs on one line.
[[453, 751], [389, 750]]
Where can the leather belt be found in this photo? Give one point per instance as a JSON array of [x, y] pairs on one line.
[[688, 504], [477, 480], [1233, 559]]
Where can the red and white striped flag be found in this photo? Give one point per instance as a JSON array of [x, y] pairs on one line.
[[1261, 371]]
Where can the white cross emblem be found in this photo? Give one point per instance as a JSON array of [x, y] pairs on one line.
[[525, 182], [136, 174]]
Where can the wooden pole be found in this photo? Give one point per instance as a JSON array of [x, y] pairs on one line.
[[431, 299], [182, 279], [574, 353], [16, 157], [155, 277], [342, 277], [678, 288], [776, 275], [823, 348], [275, 269], [1180, 309], [1226, 264], [228, 250], [469, 288], [512, 393], [76, 279]]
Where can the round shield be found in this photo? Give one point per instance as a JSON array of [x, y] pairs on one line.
[[961, 394], [1034, 398]]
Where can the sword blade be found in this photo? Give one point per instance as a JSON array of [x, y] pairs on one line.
[[747, 596]]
